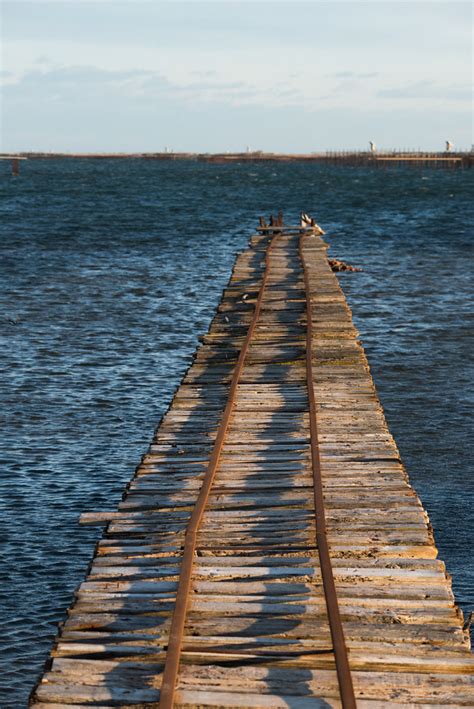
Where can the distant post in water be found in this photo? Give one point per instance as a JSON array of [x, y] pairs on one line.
[[15, 166]]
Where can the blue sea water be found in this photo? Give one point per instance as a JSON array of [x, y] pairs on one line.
[[111, 269]]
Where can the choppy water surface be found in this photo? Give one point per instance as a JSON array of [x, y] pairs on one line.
[[111, 269]]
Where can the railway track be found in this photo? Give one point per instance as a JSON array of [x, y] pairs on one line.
[[269, 550], [282, 270]]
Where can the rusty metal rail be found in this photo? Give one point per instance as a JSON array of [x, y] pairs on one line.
[[340, 651], [175, 641], [173, 655]]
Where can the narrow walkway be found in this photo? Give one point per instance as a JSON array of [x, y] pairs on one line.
[[256, 629]]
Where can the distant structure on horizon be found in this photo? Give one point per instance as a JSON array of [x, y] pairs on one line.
[[449, 146]]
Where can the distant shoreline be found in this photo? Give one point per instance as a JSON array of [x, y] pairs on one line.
[[351, 158], [255, 155]]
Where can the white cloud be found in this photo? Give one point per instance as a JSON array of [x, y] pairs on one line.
[[428, 90]]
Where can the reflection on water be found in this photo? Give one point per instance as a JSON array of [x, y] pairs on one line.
[[111, 269]]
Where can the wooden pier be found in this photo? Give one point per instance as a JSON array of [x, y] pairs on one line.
[[269, 550]]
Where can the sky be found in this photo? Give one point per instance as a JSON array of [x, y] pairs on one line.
[[113, 76]]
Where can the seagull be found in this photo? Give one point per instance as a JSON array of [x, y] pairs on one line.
[[308, 223]]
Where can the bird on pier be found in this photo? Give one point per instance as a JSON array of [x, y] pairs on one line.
[[308, 223], [305, 220]]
